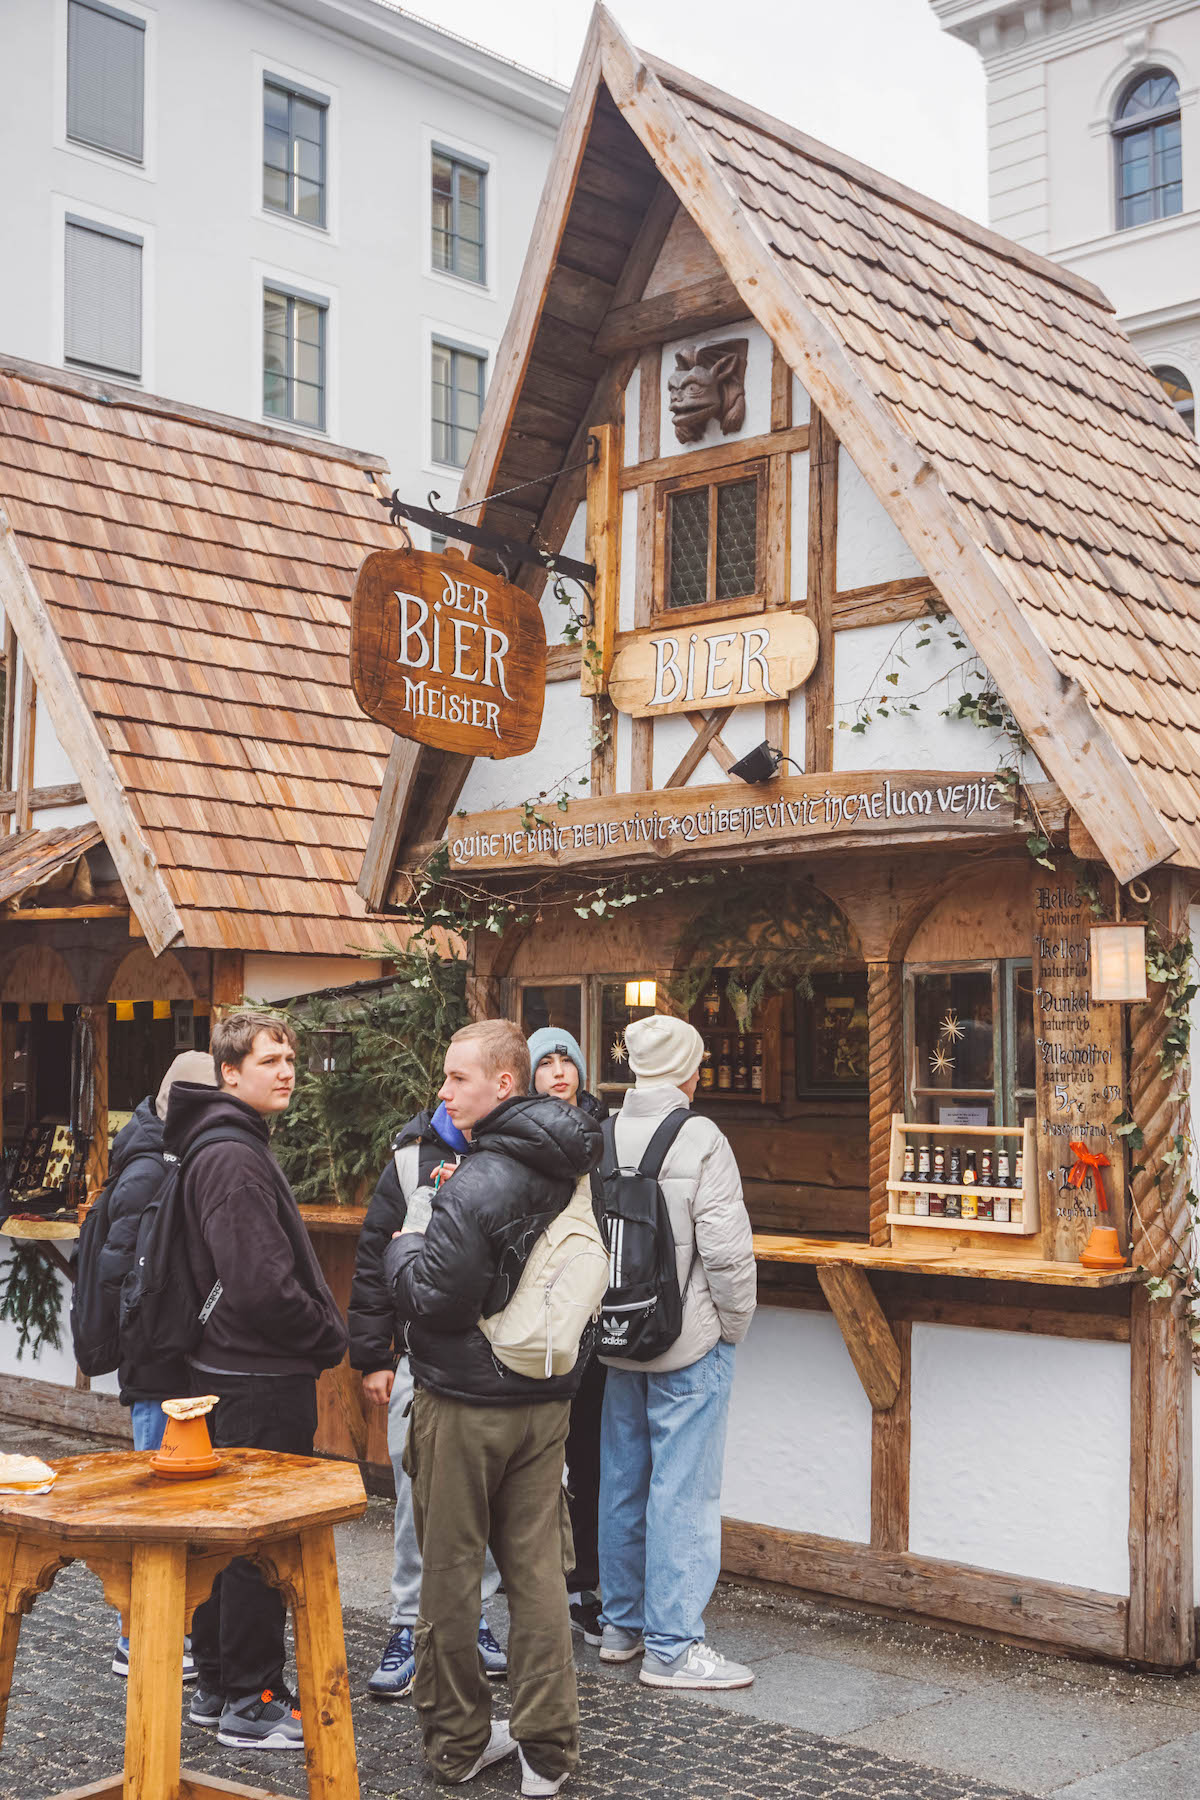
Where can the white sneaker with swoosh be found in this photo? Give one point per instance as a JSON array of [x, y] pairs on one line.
[[699, 1666]]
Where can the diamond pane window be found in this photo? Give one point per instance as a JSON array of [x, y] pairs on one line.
[[458, 241], [711, 547], [1149, 159], [294, 152]]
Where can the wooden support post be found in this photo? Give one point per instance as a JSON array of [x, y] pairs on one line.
[[641, 775], [891, 1454], [873, 1350], [604, 550], [10, 1622], [228, 980], [1161, 1604], [387, 827], [822, 586], [152, 1725], [779, 535], [97, 1161], [27, 719], [885, 1082], [10, 707]]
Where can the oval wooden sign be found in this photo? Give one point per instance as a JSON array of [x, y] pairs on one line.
[[447, 654], [731, 662]]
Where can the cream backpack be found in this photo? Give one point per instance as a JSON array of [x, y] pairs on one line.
[[560, 1290]]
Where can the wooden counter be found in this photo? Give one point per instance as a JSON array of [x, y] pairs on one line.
[[824, 1253]]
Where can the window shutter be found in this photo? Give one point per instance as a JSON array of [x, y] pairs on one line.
[[103, 299], [105, 78]]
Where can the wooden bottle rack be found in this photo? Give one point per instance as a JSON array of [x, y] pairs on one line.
[[1027, 1193]]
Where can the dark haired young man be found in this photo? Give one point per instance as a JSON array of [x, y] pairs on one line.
[[274, 1327]]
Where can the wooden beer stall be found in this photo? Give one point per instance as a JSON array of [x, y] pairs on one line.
[[863, 748]]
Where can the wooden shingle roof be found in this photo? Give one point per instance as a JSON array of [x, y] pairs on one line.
[[989, 398], [196, 573]]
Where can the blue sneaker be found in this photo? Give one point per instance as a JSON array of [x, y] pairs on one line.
[[393, 1678], [495, 1661]]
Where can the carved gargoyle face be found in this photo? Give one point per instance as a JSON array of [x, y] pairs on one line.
[[708, 382]]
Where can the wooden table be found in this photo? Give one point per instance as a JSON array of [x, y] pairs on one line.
[[157, 1547]]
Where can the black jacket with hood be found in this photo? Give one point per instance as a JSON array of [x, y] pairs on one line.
[[372, 1313], [135, 1171], [275, 1315], [518, 1174]]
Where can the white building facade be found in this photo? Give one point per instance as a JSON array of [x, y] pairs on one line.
[[310, 212], [1094, 154]]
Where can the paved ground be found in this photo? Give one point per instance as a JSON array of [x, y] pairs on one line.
[[845, 1704]]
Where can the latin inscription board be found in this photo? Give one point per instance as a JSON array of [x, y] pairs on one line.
[[447, 654], [732, 662], [1080, 1082]]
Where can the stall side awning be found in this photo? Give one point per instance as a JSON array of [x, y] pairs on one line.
[[38, 859]]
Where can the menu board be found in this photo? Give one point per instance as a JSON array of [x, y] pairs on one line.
[[1080, 1074]]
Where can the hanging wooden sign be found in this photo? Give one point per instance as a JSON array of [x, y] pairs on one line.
[[732, 662], [447, 654]]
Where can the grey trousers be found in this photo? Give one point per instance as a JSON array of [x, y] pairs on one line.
[[406, 1564]]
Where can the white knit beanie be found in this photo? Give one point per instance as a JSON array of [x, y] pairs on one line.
[[663, 1049]]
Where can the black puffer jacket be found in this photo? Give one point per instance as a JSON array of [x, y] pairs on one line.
[[372, 1314], [519, 1173], [135, 1171]]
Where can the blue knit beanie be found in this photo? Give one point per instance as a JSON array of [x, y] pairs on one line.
[[545, 1042]]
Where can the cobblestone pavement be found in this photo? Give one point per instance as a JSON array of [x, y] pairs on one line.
[[66, 1727]]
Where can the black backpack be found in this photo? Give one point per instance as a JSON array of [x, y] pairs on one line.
[[95, 1317], [163, 1312], [642, 1313]]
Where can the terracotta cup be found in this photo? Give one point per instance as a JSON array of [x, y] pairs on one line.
[[186, 1450], [1103, 1249]]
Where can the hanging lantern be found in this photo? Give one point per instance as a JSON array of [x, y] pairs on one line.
[[641, 993], [1118, 962], [330, 1050]]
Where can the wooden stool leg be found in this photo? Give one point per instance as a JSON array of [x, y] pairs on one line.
[[152, 1708], [329, 1752], [10, 1624]]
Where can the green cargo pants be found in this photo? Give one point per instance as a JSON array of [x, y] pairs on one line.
[[480, 1475]]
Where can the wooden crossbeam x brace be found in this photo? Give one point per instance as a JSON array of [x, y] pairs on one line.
[[707, 727], [868, 1336]]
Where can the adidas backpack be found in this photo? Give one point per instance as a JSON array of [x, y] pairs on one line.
[[642, 1314], [558, 1295]]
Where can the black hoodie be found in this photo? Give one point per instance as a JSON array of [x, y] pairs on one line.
[[518, 1174], [275, 1315]]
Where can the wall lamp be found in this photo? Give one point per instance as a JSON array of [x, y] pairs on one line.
[[761, 764]]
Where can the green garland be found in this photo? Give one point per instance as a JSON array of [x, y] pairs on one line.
[[31, 1299]]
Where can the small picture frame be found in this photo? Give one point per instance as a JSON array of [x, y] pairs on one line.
[[185, 1025], [832, 1036]]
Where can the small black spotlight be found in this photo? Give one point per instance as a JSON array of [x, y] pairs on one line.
[[760, 764]]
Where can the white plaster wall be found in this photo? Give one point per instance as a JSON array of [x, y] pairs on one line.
[[279, 977], [797, 716], [1020, 1454], [799, 579], [57, 1366], [627, 590], [51, 765], [863, 657], [1195, 1487], [798, 1454], [563, 747], [801, 404], [633, 401], [554, 613], [869, 547], [745, 727], [758, 388]]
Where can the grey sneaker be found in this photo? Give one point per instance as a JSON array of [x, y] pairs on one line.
[[699, 1666], [499, 1745], [393, 1679], [206, 1708], [533, 1783], [265, 1721], [619, 1645]]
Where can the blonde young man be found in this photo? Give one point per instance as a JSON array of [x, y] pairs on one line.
[[485, 1446]]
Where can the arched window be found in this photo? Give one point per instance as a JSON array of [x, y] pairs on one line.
[[1178, 390], [1146, 133]]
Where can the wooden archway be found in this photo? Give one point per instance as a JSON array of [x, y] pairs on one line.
[[144, 976], [36, 972]]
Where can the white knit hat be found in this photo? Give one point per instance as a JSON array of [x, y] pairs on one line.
[[663, 1049]]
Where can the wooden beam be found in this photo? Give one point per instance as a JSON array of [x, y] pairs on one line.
[[604, 552], [868, 1336], [96, 1171], [17, 914], [64, 1408], [228, 981], [1052, 709], [822, 585], [778, 579], [1162, 1626], [641, 755], [884, 603], [714, 456], [10, 705], [1039, 1612], [706, 727], [885, 1083], [391, 815], [79, 735], [891, 1453], [562, 664], [697, 307], [27, 716], [66, 793]]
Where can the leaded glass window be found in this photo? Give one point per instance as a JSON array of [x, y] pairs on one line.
[[712, 541], [1148, 150]]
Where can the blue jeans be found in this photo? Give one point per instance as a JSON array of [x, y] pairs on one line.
[[662, 1447], [149, 1422]]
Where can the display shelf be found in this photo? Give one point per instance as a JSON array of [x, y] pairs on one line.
[[1027, 1194], [935, 1257], [721, 1025], [39, 1230]]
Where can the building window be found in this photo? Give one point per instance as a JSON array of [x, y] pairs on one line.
[[106, 57], [294, 358], [103, 298], [294, 123], [1149, 165], [1178, 390], [969, 1035], [458, 375], [458, 216], [711, 536]]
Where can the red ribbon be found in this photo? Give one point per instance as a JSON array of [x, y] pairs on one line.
[[1088, 1162]]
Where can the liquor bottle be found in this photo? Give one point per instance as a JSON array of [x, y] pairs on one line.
[[1016, 1204], [970, 1177], [756, 1067], [985, 1166], [1002, 1167], [939, 1162], [708, 1077], [1018, 1174], [923, 1199], [923, 1168], [1001, 1205], [725, 1068], [938, 1204], [955, 1166], [712, 1002], [954, 1206], [741, 1069], [985, 1203], [910, 1161]]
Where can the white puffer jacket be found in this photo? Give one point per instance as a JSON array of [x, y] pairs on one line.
[[713, 1240]]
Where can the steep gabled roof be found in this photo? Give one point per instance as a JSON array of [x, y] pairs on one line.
[[180, 583], [989, 398]]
